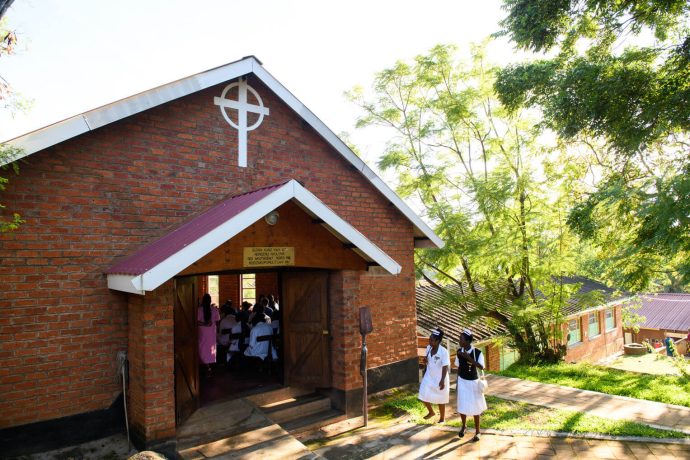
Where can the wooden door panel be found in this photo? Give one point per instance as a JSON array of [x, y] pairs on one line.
[[186, 349], [307, 339]]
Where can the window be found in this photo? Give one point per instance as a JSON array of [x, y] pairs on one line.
[[610, 319], [213, 289], [508, 357], [248, 287], [574, 331], [594, 326]]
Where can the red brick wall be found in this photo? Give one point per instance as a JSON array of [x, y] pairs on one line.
[[266, 284], [229, 288], [650, 334], [493, 358], [151, 364], [346, 341], [598, 347], [95, 199]]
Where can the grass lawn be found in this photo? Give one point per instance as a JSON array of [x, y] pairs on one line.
[[670, 389], [504, 415], [650, 363]]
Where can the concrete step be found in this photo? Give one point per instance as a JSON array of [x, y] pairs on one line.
[[268, 442], [280, 394], [325, 421], [297, 407]]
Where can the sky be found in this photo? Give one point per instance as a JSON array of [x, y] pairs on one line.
[[75, 55]]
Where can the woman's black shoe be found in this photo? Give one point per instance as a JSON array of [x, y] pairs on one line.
[[461, 433]]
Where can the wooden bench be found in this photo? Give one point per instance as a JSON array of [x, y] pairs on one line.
[[271, 338]]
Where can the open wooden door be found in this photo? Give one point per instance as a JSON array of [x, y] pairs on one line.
[[186, 349], [306, 333]]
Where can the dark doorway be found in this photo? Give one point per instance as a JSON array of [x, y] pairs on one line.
[[302, 340], [243, 376]]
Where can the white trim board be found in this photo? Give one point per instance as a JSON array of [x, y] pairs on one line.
[[165, 270], [66, 129]]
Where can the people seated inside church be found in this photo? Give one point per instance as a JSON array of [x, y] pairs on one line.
[[275, 321], [243, 318], [260, 308], [259, 349], [273, 302], [228, 346], [266, 302]]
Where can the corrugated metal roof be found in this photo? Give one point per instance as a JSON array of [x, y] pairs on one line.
[[158, 251], [665, 311], [436, 310], [575, 304]]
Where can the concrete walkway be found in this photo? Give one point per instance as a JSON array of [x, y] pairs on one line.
[[411, 441], [655, 414]]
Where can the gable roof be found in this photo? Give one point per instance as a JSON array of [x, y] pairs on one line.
[[87, 121], [574, 305], [164, 258], [665, 311], [435, 310]]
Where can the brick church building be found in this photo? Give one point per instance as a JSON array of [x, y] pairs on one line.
[[133, 210]]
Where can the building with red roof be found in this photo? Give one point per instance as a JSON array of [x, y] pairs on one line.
[[222, 182], [665, 315]]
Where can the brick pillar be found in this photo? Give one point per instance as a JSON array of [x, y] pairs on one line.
[[346, 342], [151, 369], [492, 358]]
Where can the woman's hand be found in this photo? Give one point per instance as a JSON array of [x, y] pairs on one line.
[[441, 384], [462, 353]]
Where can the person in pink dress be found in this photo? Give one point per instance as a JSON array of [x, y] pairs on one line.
[[207, 319]]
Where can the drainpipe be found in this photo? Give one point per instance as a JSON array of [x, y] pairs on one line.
[[122, 370]]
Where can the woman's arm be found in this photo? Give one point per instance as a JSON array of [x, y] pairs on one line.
[[442, 383], [479, 365]]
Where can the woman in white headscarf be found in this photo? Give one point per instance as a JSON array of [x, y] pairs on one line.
[[471, 400], [435, 386]]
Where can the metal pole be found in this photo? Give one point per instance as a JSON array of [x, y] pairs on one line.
[[363, 370]]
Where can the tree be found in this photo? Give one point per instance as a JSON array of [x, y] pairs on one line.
[[8, 39], [470, 166], [618, 85]]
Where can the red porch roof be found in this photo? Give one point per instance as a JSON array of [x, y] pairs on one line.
[[161, 260], [156, 252]]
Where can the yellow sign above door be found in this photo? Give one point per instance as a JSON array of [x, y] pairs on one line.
[[269, 256]]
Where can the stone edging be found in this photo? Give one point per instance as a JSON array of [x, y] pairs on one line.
[[626, 398], [553, 406], [560, 434]]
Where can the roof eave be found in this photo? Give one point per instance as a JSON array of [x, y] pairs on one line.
[[87, 121], [148, 280]]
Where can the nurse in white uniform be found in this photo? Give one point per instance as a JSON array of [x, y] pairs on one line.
[[470, 397], [435, 386]]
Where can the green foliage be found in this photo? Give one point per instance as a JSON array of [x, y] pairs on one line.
[[498, 196], [632, 319], [628, 105], [8, 100], [511, 415], [669, 389], [7, 154]]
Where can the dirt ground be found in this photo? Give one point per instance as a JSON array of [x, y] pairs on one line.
[[650, 363], [111, 448]]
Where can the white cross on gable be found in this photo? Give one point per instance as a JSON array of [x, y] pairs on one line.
[[242, 107]]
